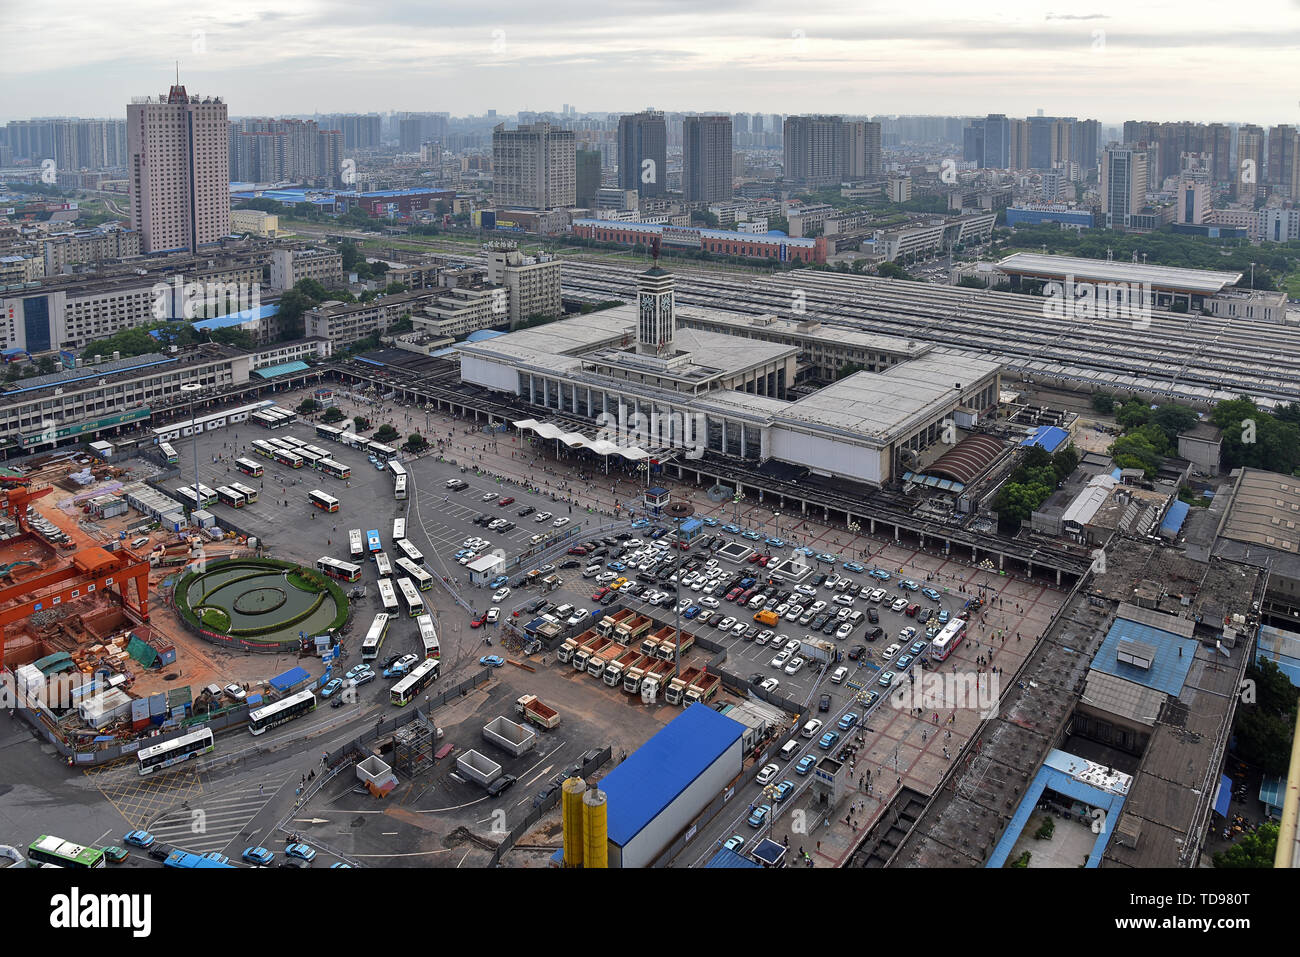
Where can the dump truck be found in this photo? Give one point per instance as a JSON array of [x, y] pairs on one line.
[[615, 670], [478, 767], [630, 629], [571, 645], [677, 687], [598, 662], [657, 677], [703, 689], [509, 736], [582, 656], [607, 624], [530, 706], [651, 644], [632, 677], [668, 647]]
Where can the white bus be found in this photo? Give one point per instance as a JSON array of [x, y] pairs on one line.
[[423, 580], [948, 639], [249, 493], [249, 468], [383, 567], [421, 676], [429, 636], [388, 595], [309, 459], [410, 597], [168, 452], [375, 637], [345, 571], [380, 451], [205, 498], [399, 488], [264, 448], [228, 495], [399, 528], [332, 468], [280, 712], [326, 503], [410, 551], [396, 467], [355, 546], [329, 432], [172, 752]]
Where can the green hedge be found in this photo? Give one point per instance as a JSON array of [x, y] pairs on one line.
[[298, 575]]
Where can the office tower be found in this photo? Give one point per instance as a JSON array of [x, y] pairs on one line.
[[1085, 143], [706, 158], [1123, 184], [178, 173], [862, 145], [1249, 173], [1193, 198], [814, 150], [972, 143], [534, 167], [1281, 160], [643, 153], [587, 164], [997, 141], [1017, 144], [1218, 142]]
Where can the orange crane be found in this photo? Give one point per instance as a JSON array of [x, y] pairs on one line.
[[16, 500]]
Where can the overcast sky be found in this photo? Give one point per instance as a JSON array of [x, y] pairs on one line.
[[1157, 59]]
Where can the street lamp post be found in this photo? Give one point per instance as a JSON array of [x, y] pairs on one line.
[[192, 389]]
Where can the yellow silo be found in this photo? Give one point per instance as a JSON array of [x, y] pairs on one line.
[[595, 829], [571, 816]]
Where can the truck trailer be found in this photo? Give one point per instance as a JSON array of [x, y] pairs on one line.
[[582, 656], [599, 661], [703, 689], [607, 624]]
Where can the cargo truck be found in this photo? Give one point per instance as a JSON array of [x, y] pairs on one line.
[[530, 707], [582, 656], [630, 629], [571, 645], [509, 736], [703, 689], [599, 662], [657, 677], [668, 647], [677, 687], [615, 670], [632, 678], [478, 767], [607, 624], [651, 644]]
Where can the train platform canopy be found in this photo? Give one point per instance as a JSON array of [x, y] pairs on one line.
[[284, 368], [1204, 282], [576, 440]]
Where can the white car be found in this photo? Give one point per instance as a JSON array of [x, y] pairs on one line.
[[817, 607], [561, 521], [699, 583], [843, 614], [726, 623], [891, 650], [466, 559], [738, 628], [501, 594], [794, 665], [898, 604], [578, 616], [709, 602], [488, 496], [844, 631], [544, 516], [806, 590], [781, 658], [235, 692], [769, 772], [493, 615], [791, 644], [770, 684], [877, 595], [845, 600], [794, 613], [762, 638], [811, 728], [683, 605], [604, 578]]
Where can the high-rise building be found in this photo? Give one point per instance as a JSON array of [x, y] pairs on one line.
[[269, 151], [1281, 160], [1249, 174], [1085, 144], [814, 150], [178, 172], [534, 167], [1218, 143], [587, 165], [972, 143], [706, 158], [862, 145], [1193, 197], [1123, 184], [643, 153]]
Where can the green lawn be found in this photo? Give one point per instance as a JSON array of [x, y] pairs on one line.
[[1291, 284]]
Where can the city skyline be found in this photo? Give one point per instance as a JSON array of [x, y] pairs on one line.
[[307, 59]]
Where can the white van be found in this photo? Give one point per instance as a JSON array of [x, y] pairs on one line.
[[140, 542], [839, 675], [563, 611], [591, 571], [790, 750]]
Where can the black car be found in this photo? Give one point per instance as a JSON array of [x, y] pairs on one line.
[[519, 582], [160, 851], [872, 616], [544, 794], [757, 678], [817, 581], [830, 627], [482, 519], [534, 608], [817, 622], [526, 510], [501, 784], [644, 577], [623, 536], [610, 598], [507, 527], [875, 633], [569, 564], [856, 652], [825, 703]]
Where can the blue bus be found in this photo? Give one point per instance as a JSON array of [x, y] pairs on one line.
[[372, 541], [186, 859]]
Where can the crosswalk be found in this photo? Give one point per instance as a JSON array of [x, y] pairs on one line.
[[214, 820]]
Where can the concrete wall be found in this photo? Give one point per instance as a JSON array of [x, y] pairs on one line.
[[491, 375], [826, 455]]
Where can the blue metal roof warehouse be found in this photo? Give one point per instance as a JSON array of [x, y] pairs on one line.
[[662, 769]]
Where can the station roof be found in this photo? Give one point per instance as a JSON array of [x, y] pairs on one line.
[[967, 459], [270, 372], [1206, 282], [1171, 654], [655, 774]]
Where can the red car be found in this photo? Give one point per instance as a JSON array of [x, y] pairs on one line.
[[600, 593], [578, 550], [508, 500], [478, 620], [753, 558], [764, 559], [912, 610], [733, 594]]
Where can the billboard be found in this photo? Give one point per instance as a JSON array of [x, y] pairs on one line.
[[681, 236]]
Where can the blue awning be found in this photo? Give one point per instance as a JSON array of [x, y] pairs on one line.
[[1224, 797]]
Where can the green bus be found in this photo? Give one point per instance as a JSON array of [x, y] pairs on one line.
[[48, 849]]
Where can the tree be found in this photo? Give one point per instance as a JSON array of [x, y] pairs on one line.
[[702, 217], [1064, 462], [333, 414], [386, 432], [307, 407], [361, 423], [1135, 452], [1132, 413], [1173, 419], [1103, 403], [416, 442], [1256, 849]]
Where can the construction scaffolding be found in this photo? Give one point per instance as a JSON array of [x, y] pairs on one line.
[[413, 746]]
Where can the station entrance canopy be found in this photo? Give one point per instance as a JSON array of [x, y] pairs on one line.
[[576, 440]]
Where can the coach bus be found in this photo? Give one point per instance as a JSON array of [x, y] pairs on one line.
[[326, 503], [346, 571], [421, 676], [285, 710], [399, 528], [373, 544], [355, 548], [265, 419], [336, 469], [423, 580], [48, 849], [232, 497], [328, 432], [429, 636], [388, 595], [410, 551], [948, 639], [187, 746], [249, 493], [168, 452], [383, 567], [375, 637], [249, 467], [264, 448], [410, 598]]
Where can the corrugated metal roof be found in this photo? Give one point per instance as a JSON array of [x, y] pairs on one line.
[[728, 858], [270, 372]]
